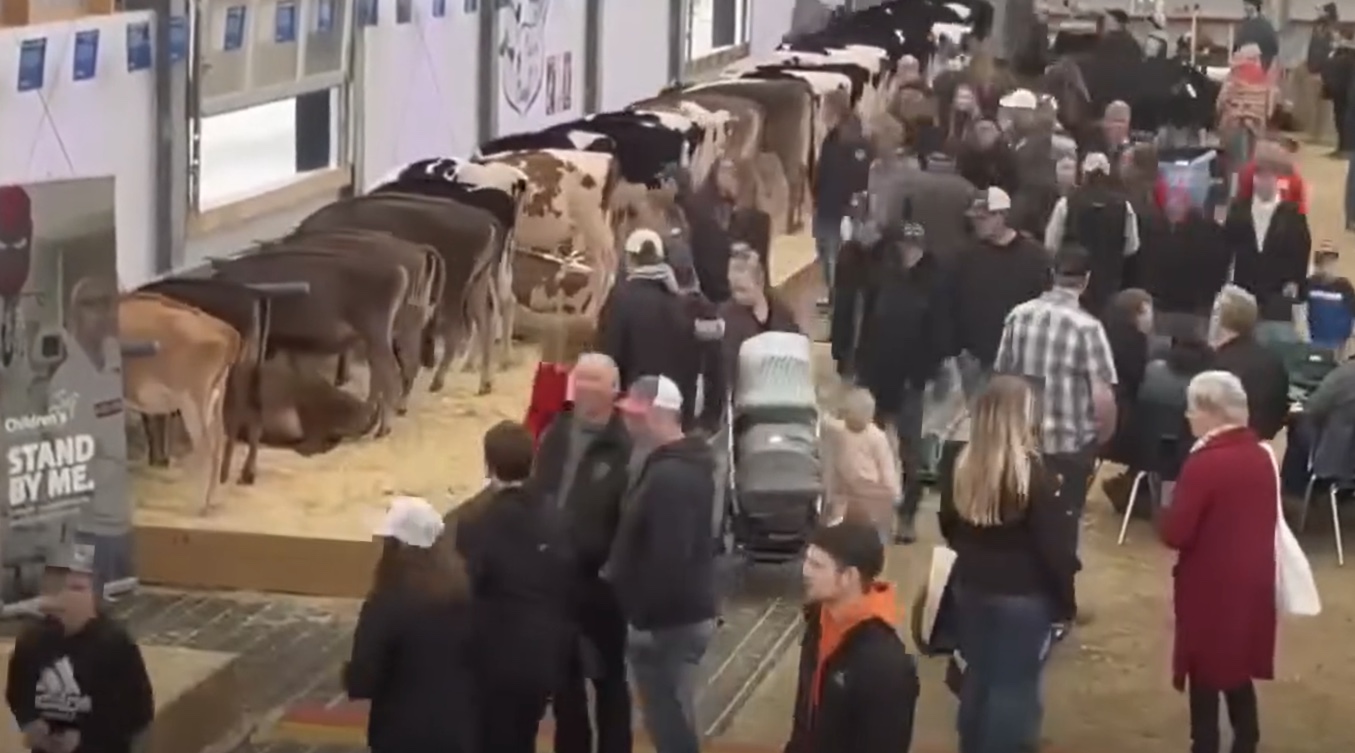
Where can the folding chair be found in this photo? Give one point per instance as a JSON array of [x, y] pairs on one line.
[[1335, 486], [1165, 446]]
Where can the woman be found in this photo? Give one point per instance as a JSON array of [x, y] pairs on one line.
[[1161, 434], [517, 552], [957, 120], [413, 651], [985, 159], [1222, 522], [1128, 321], [1013, 572]]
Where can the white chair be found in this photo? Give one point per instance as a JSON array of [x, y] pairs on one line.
[[1154, 485]]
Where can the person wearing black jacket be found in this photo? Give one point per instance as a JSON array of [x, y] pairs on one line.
[[999, 270], [652, 324], [1271, 245], [1013, 569], [413, 655], [904, 338], [581, 469], [1338, 71], [77, 682], [1237, 351], [858, 686], [1097, 216], [662, 564], [843, 170], [521, 561], [1183, 265]]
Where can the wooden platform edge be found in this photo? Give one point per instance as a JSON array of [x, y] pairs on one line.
[[205, 713]]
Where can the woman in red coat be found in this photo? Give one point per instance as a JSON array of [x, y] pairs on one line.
[[1222, 522]]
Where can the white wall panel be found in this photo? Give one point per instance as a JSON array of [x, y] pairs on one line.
[[418, 86], [540, 69], [771, 21], [97, 127], [634, 51]]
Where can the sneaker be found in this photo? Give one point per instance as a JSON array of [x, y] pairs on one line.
[[906, 533], [1059, 632]]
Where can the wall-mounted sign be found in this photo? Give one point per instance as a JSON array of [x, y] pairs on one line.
[[284, 23], [32, 64], [324, 16], [404, 11], [234, 37], [86, 61], [369, 12], [178, 38], [439, 8], [138, 46]]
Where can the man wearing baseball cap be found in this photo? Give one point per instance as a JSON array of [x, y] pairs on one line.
[[77, 681], [662, 563], [1000, 269]]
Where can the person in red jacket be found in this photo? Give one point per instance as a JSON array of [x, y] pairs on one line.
[[1276, 153]]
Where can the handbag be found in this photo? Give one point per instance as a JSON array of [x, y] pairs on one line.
[[1295, 588]]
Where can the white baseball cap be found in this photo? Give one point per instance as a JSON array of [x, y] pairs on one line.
[[651, 392], [635, 242], [412, 522], [1021, 99], [991, 199]]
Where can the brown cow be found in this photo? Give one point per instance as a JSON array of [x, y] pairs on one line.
[[469, 240], [187, 374], [425, 269], [353, 301], [303, 411]]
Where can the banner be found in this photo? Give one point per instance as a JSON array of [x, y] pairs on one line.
[[540, 63]]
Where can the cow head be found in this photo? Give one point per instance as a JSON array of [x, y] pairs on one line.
[[16, 238]]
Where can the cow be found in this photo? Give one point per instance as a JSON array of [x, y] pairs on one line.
[[571, 137], [496, 188], [305, 412], [245, 312], [352, 301], [472, 246], [187, 374], [565, 211], [715, 127], [426, 273]]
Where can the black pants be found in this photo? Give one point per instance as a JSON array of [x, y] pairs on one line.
[[1338, 112], [1242, 715], [601, 660], [1075, 470], [510, 719]]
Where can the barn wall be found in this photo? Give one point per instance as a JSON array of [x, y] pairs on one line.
[[540, 64], [634, 54], [99, 126], [771, 19]]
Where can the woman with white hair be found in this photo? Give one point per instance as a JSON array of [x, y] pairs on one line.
[[1222, 524]]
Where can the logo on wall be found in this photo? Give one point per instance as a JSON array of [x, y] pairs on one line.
[[522, 59]]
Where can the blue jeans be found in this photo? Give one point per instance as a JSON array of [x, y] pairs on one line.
[[1004, 641], [827, 241], [664, 666]]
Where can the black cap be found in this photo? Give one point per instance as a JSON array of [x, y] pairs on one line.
[[1072, 260], [853, 543]]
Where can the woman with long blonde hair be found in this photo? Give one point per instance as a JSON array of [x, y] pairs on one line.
[[1013, 569]]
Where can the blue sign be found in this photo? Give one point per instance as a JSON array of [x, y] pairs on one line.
[[178, 38], [138, 46], [404, 11], [284, 23], [86, 54], [369, 12], [32, 64], [235, 29], [324, 16], [439, 8]]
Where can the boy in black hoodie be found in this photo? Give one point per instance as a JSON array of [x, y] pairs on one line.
[[77, 682]]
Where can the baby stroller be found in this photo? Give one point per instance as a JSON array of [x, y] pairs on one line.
[[775, 473]]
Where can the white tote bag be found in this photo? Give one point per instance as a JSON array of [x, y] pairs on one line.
[[1295, 589]]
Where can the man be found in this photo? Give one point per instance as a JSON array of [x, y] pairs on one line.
[[1256, 29], [77, 682], [905, 336], [939, 198], [581, 466], [662, 564], [1337, 74], [1055, 343], [1183, 265], [1321, 42], [858, 685], [1270, 241], [752, 309], [1000, 269], [1278, 157], [1097, 216], [844, 165], [1112, 138], [1236, 350], [1117, 43], [650, 325]]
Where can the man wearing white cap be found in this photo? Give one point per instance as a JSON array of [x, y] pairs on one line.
[[662, 564], [998, 270], [1097, 216]]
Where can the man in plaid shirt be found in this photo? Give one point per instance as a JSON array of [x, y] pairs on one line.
[[1052, 341]]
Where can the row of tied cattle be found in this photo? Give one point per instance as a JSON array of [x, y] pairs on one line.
[[443, 251]]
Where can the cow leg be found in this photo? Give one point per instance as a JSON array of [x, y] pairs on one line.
[[194, 410], [508, 318], [341, 374], [157, 440], [428, 344], [482, 316], [505, 304], [407, 343], [385, 377], [451, 341], [254, 435]]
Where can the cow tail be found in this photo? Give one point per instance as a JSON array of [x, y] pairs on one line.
[[610, 182], [263, 316]]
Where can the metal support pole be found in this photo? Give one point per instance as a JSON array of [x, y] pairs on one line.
[[592, 55], [487, 71], [677, 38]]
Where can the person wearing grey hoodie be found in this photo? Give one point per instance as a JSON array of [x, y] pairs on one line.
[[938, 198], [1258, 30]]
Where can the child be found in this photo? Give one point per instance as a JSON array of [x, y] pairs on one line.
[[863, 475], [1331, 303]]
